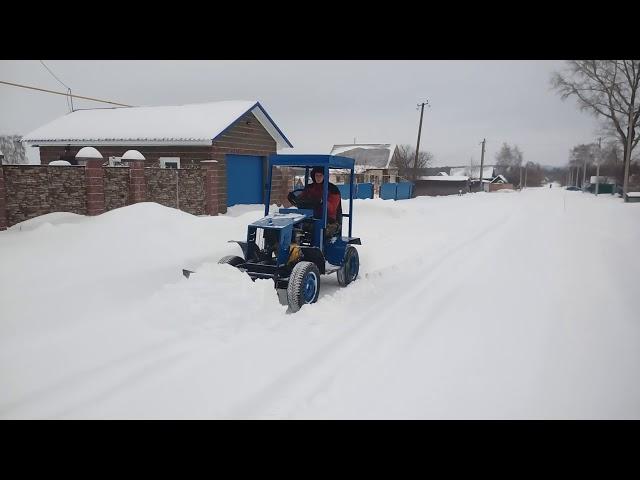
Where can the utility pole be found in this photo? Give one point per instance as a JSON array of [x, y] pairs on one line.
[[482, 164], [520, 184], [627, 159], [598, 165], [525, 174], [584, 172], [415, 161]]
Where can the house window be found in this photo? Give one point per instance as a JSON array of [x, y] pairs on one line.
[[169, 162]]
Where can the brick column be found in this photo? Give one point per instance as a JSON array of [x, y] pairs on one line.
[[3, 202], [280, 186], [95, 186], [210, 169], [137, 185]]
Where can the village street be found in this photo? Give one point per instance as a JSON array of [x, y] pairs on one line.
[[486, 305]]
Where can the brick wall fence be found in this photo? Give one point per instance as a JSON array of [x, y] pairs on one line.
[[494, 187], [28, 191], [246, 136]]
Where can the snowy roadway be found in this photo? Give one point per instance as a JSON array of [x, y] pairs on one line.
[[502, 305]]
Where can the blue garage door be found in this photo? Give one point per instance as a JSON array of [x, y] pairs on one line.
[[244, 179]]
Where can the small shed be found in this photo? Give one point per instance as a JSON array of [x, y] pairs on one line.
[[435, 185]]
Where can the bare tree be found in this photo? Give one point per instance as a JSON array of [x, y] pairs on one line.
[[509, 160], [405, 157], [609, 90], [12, 149]]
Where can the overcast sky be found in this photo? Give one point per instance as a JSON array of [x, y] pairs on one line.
[[320, 103]]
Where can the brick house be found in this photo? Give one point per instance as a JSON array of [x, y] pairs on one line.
[[234, 137]]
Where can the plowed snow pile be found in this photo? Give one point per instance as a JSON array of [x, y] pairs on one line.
[[480, 306]]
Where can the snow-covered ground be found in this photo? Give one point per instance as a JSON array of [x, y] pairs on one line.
[[513, 305]]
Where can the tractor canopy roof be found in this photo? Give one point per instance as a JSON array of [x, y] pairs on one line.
[[331, 161]]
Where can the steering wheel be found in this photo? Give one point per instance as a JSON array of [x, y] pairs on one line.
[[304, 203]]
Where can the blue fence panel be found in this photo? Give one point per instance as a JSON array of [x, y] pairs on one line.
[[344, 190], [388, 191], [396, 191], [364, 190], [403, 191]]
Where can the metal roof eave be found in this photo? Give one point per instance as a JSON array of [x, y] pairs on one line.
[[305, 160], [84, 142]]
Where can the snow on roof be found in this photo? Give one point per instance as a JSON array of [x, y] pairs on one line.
[[633, 194], [474, 172], [88, 152], [443, 178], [498, 177], [132, 155], [192, 124], [601, 179], [368, 155], [59, 163]]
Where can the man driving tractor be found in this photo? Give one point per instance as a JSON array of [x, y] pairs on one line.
[[311, 196]]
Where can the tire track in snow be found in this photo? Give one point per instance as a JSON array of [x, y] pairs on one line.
[[77, 381], [345, 345], [413, 329]]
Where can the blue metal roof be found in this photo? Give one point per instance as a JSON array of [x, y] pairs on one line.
[[300, 160]]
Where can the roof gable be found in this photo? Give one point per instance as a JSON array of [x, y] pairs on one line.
[[193, 124]]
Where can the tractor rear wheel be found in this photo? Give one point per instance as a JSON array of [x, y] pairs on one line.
[[304, 285], [231, 260], [350, 267]]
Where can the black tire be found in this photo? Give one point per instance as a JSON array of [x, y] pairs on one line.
[[350, 267], [231, 260], [300, 289]]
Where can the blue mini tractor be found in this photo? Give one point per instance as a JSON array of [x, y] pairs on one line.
[[291, 246]]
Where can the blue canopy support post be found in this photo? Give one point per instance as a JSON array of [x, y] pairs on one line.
[[350, 202], [306, 176], [325, 196], [267, 198], [325, 209]]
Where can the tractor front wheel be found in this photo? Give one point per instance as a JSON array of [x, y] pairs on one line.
[[304, 285], [350, 267]]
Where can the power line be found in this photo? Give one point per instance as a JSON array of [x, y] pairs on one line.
[[54, 75], [70, 106], [67, 94]]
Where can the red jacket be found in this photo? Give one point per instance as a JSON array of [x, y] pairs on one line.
[[313, 191]]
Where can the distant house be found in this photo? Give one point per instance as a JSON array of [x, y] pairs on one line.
[[499, 179], [374, 162], [237, 135], [435, 185], [500, 182]]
